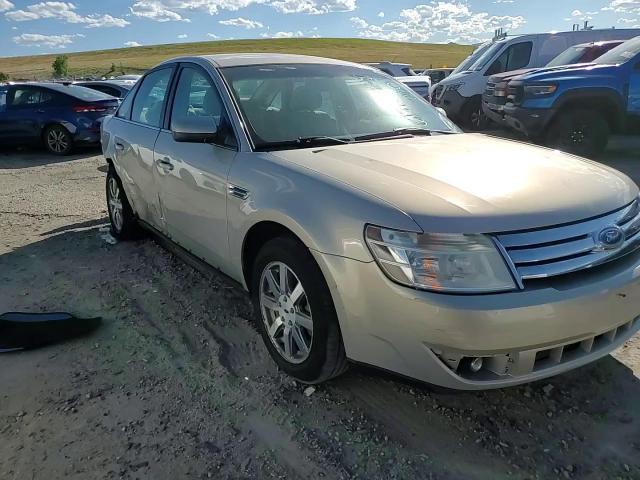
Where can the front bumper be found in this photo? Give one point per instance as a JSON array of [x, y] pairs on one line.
[[523, 335], [493, 110], [532, 122]]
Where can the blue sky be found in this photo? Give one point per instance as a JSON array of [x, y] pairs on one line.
[[31, 27]]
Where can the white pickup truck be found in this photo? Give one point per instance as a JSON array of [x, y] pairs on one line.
[[402, 72]]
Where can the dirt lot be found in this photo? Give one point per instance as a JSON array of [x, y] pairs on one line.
[[177, 383]]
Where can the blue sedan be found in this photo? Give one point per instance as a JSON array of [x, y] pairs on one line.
[[60, 116]]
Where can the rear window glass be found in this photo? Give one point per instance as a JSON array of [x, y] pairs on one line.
[[87, 94]]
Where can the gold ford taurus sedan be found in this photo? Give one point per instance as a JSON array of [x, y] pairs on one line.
[[368, 228]]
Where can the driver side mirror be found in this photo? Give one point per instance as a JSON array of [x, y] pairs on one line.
[[194, 129]]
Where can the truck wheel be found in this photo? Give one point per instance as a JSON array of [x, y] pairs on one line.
[[579, 131], [473, 117], [295, 312]]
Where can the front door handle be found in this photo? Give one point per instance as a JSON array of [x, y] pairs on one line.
[[40, 111], [165, 164]]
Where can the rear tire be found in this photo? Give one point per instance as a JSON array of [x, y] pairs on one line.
[[312, 351], [124, 224], [58, 140], [579, 131]]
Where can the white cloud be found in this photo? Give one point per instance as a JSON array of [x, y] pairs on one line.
[[183, 35], [5, 5], [452, 19], [132, 44], [314, 7], [297, 34], [242, 22], [212, 35], [39, 40], [380, 14], [175, 10], [64, 11]]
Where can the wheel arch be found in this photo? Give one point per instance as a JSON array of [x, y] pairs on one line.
[[257, 235], [605, 100]]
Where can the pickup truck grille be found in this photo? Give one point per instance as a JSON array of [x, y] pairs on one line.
[[549, 252], [491, 86]]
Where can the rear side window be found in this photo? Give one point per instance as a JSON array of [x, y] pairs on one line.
[[124, 111], [149, 101], [3, 100], [25, 97]]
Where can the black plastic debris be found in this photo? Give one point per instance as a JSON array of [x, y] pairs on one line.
[[21, 331]]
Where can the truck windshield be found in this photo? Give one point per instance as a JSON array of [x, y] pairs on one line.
[[294, 105], [486, 57], [570, 56], [467, 62], [621, 54]]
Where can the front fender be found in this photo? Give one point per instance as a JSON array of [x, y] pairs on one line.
[[326, 215]]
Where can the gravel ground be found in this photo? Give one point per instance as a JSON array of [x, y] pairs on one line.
[[177, 383]]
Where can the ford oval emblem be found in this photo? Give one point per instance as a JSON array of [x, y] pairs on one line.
[[610, 238]]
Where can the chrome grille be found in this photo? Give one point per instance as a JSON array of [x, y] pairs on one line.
[[559, 250], [490, 88]]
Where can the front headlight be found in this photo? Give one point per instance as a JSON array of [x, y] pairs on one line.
[[441, 262], [539, 90]]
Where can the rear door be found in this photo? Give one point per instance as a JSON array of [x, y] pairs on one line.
[[135, 130], [25, 110], [192, 177]]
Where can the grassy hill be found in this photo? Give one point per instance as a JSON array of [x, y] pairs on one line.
[[138, 59]]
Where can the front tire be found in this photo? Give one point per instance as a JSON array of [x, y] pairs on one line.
[[579, 131], [58, 140], [295, 313], [124, 224], [473, 117]]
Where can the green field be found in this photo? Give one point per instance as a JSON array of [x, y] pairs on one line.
[[138, 59]]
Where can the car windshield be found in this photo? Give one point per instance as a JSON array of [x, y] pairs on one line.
[[486, 57], [470, 60], [570, 56], [621, 54], [311, 103]]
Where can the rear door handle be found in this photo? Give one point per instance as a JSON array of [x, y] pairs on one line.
[[165, 163], [119, 146], [40, 111]]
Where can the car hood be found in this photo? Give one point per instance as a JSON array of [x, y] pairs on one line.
[[473, 183], [570, 72], [500, 77], [415, 79]]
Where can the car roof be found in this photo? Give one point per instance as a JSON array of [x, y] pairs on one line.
[[244, 59], [603, 42]]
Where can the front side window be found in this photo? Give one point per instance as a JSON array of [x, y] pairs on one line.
[[304, 101], [150, 99], [515, 57], [197, 101]]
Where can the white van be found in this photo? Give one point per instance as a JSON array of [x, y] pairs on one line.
[[460, 94]]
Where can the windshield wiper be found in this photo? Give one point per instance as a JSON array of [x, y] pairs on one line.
[[402, 133], [323, 139], [303, 142]]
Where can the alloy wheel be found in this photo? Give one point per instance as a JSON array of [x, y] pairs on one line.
[[286, 312], [57, 140], [115, 204]]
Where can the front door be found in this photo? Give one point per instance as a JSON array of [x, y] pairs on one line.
[[192, 177], [633, 104]]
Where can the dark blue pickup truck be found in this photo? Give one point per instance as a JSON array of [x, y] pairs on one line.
[[576, 108]]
